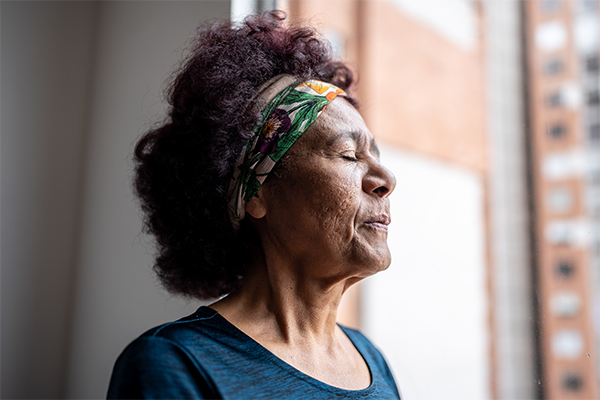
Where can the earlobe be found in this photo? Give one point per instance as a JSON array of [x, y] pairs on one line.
[[256, 206]]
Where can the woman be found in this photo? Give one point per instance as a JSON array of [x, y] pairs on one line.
[[264, 186]]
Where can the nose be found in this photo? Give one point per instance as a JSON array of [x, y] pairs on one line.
[[379, 180]]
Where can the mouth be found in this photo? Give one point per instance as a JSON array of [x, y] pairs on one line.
[[379, 222]]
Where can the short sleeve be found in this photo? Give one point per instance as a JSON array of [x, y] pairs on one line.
[[157, 368]]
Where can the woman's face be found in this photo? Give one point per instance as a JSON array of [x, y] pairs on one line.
[[329, 213]]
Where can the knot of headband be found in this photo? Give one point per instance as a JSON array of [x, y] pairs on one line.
[[291, 107]]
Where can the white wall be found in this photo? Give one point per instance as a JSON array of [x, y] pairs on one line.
[[428, 311], [80, 82]]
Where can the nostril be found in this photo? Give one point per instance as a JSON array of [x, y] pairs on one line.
[[381, 191]]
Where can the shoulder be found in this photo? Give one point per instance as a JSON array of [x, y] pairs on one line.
[[187, 336], [185, 330], [162, 363]]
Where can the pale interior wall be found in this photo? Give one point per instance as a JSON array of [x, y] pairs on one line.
[[428, 311], [80, 82], [45, 73], [117, 297]]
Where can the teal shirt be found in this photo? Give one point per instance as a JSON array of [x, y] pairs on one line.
[[203, 356]]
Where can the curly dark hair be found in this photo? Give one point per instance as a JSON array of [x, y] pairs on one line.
[[182, 168]]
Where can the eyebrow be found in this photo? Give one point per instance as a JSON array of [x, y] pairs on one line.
[[355, 136]]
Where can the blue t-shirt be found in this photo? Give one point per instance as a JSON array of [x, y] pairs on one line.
[[204, 356]]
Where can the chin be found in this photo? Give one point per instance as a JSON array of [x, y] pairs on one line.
[[385, 265], [382, 255], [377, 264]]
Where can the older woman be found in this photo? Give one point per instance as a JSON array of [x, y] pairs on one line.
[[264, 186]]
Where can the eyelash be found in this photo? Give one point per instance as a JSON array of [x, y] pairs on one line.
[[353, 159]]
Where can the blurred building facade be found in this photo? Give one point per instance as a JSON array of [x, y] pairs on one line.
[[563, 47]]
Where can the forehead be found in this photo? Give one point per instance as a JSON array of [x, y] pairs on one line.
[[340, 117]]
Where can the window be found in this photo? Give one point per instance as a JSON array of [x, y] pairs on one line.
[[567, 344], [550, 5], [593, 97], [595, 177], [553, 66], [554, 99], [572, 381], [560, 200], [591, 64], [557, 131], [587, 5], [594, 133], [565, 304], [564, 270], [550, 36]]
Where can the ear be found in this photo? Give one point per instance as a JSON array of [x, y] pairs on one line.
[[257, 207]]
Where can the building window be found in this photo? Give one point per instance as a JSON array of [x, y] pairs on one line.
[[564, 270], [591, 64], [553, 66], [595, 178], [572, 382], [554, 99], [550, 5], [565, 304], [593, 97], [567, 344], [594, 133], [560, 200], [557, 131], [587, 5], [550, 36]]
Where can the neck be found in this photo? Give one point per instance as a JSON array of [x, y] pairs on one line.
[[280, 304]]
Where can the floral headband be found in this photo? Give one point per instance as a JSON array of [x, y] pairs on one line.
[[291, 107]]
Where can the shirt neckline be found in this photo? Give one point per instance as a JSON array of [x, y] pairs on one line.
[[291, 369]]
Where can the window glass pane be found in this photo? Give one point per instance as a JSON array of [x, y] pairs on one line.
[[594, 133], [593, 97], [550, 5], [564, 270], [554, 99], [553, 66], [557, 131], [560, 200], [591, 64]]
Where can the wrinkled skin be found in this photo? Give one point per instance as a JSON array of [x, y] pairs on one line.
[[322, 226], [332, 208]]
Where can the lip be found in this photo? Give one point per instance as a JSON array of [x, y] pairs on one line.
[[379, 222]]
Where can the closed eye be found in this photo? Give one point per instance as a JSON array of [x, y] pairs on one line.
[[350, 158]]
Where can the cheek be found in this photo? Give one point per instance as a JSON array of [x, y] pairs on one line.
[[337, 207]]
